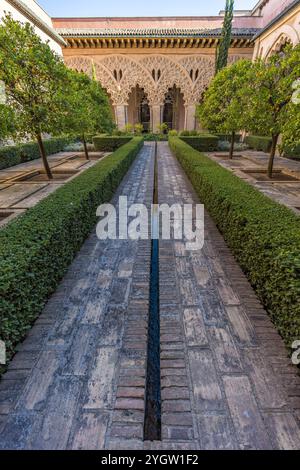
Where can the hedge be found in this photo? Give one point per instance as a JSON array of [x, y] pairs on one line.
[[109, 143], [260, 143], [263, 235], [37, 247], [15, 154], [204, 142], [291, 152], [227, 138]]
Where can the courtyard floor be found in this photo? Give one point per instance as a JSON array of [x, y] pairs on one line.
[[24, 185], [78, 380], [249, 165]]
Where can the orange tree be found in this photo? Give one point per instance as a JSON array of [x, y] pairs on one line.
[[269, 96], [35, 81], [222, 110], [87, 108]]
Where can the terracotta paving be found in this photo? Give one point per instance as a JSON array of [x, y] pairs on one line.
[[247, 161], [21, 186], [78, 379]]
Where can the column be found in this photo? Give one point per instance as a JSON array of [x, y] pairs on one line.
[[121, 115], [190, 120], [155, 117]]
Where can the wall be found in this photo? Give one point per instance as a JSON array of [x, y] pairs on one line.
[[6, 7], [286, 29]]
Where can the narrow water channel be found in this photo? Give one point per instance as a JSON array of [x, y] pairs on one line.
[[152, 422]]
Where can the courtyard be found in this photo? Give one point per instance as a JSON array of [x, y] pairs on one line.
[[115, 337], [78, 380]]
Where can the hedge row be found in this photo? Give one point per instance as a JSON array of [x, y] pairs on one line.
[[15, 154], [104, 143], [203, 143], [263, 235], [292, 152], [227, 137], [37, 248], [260, 143]]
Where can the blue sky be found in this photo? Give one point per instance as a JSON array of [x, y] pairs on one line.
[[135, 8]]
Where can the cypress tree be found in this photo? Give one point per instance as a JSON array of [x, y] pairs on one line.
[[222, 50]]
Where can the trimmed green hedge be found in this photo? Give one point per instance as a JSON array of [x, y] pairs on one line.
[[15, 154], [263, 235], [260, 143], [109, 143], [227, 138], [37, 248], [290, 152], [204, 142]]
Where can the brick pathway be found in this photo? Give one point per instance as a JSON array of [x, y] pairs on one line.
[[78, 380]]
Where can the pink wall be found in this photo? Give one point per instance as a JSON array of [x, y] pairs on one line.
[[200, 22], [272, 9]]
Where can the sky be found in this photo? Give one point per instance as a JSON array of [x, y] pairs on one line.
[[56, 8]]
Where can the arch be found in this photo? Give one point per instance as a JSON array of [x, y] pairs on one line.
[[154, 73], [130, 74], [105, 77], [285, 34], [166, 73], [203, 70]]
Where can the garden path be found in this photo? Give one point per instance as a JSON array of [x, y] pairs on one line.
[[78, 380]]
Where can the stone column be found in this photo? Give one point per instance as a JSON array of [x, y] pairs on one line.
[[121, 115], [155, 117], [190, 120]]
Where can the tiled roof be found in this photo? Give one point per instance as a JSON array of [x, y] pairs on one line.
[[153, 32]]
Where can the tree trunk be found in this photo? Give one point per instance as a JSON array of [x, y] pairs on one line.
[[272, 155], [43, 156], [232, 145], [85, 147]]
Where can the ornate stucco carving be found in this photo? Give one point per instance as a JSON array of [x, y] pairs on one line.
[[155, 73]]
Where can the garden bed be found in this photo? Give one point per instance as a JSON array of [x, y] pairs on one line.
[[278, 176], [42, 176], [4, 215], [225, 156]]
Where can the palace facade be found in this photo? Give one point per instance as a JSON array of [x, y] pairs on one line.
[[156, 69]]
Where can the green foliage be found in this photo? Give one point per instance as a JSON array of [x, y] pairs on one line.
[[269, 92], [37, 248], [227, 137], [270, 109], [257, 142], [173, 132], [7, 122], [163, 128], [36, 82], [152, 137], [34, 78], [203, 143], [87, 106], [138, 129], [263, 235], [222, 110], [291, 131], [15, 154], [128, 129], [291, 151], [104, 143], [222, 50]]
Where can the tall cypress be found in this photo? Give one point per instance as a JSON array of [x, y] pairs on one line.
[[222, 50]]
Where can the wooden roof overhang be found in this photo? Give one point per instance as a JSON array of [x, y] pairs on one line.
[[143, 39]]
